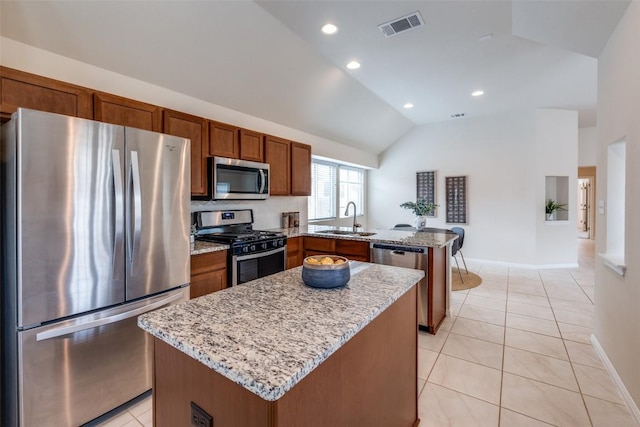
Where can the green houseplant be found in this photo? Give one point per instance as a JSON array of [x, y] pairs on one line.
[[420, 209], [552, 207]]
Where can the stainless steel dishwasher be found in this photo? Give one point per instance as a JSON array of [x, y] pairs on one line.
[[408, 257]]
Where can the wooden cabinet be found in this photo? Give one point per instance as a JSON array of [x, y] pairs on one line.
[[20, 89], [277, 152], [300, 169], [127, 112], [197, 130], [208, 273], [251, 146], [235, 143], [356, 250], [223, 140], [294, 252]]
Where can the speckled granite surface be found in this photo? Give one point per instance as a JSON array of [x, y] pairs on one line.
[[398, 237], [205, 247], [268, 334]]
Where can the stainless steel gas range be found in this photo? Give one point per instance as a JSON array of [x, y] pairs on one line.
[[253, 253]]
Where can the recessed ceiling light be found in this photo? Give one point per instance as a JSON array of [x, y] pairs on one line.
[[485, 37], [353, 65], [329, 29], [408, 105], [477, 93]]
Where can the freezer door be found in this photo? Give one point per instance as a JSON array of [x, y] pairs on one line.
[[69, 231], [158, 212], [74, 371]]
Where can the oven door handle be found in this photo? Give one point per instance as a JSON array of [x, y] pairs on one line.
[[259, 254]]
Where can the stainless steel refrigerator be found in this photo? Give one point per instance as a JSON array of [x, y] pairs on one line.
[[96, 221]]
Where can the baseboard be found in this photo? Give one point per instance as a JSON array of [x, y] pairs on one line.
[[523, 266], [631, 405]]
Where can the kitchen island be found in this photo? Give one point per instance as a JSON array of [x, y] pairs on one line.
[[274, 352]]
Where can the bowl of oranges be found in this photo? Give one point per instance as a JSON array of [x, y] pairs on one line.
[[325, 271]]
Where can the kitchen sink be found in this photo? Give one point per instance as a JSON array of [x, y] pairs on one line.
[[347, 233]]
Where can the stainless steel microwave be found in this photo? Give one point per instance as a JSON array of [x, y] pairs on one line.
[[233, 179]]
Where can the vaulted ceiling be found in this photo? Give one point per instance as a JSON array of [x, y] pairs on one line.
[[269, 58]]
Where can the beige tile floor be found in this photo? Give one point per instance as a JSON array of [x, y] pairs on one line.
[[515, 353]]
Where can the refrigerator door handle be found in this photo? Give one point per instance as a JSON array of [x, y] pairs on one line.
[[119, 212], [135, 210], [65, 330]]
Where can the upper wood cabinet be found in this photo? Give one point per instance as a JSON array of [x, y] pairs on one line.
[[223, 140], [20, 89], [127, 112], [300, 169], [251, 147], [197, 130], [277, 152]]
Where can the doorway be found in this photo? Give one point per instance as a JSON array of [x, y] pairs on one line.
[[586, 202], [585, 197]]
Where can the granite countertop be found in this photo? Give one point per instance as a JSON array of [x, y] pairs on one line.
[[397, 237], [268, 334], [201, 247]]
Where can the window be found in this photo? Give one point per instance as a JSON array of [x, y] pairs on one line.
[[333, 186]]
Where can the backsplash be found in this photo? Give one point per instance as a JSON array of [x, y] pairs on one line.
[[266, 213]]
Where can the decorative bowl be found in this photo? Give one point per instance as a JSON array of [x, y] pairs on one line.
[[319, 275]]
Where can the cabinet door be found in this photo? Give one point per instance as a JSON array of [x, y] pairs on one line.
[[294, 252], [251, 147], [208, 273], [126, 112], [197, 130], [207, 283], [300, 169], [20, 89], [223, 140], [353, 249], [277, 152]]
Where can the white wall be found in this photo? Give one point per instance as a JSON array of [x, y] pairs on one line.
[[587, 146], [617, 298], [506, 187], [37, 61], [556, 155]]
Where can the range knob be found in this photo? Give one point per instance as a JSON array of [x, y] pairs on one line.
[[263, 246], [252, 248], [245, 249]]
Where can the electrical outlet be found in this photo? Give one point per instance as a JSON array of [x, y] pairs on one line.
[[199, 417]]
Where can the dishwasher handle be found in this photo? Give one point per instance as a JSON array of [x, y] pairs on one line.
[[398, 249]]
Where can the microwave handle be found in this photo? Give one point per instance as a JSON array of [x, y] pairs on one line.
[[262, 181]]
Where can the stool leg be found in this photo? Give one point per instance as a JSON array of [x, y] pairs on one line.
[[463, 261], [459, 272]]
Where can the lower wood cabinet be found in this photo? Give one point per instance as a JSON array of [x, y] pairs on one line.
[[294, 252], [208, 273], [355, 250]]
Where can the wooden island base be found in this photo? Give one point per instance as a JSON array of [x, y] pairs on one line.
[[370, 381]]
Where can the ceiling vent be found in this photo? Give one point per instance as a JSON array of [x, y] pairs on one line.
[[458, 115], [400, 25]]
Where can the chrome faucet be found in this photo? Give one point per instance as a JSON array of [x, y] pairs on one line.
[[346, 212]]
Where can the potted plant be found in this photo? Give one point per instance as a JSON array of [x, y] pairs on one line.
[[421, 209], [551, 208]]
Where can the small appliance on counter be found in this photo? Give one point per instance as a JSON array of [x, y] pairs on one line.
[[253, 253], [290, 220]]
